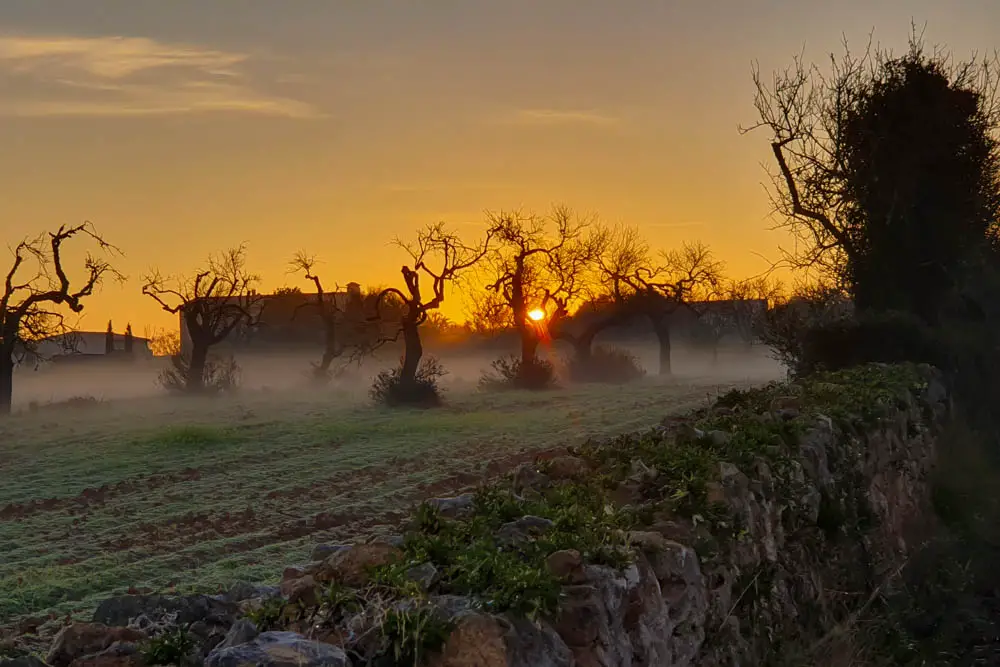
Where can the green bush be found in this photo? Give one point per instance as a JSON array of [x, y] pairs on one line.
[[509, 373], [392, 390]]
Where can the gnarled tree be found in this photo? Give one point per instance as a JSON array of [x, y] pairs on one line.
[[659, 287], [440, 258], [344, 324], [213, 303], [888, 172], [546, 264], [37, 291]]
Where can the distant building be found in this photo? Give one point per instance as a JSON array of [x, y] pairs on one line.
[[75, 345], [287, 319]]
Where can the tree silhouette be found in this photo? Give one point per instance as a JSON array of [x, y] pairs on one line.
[[545, 264], [888, 172], [109, 339], [659, 287], [344, 326], [441, 257], [35, 287], [213, 303]]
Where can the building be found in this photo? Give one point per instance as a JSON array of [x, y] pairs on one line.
[[287, 319], [83, 345]]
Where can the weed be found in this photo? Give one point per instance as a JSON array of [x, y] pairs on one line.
[[171, 648], [269, 615], [411, 636]]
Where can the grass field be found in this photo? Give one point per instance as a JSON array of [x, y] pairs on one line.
[[155, 493]]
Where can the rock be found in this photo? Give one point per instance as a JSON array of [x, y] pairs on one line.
[[77, 640], [324, 551], [715, 493], [246, 591], [351, 566], [23, 661], [122, 609], [523, 529], [453, 507], [119, 654], [719, 438], [425, 575], [242, 632], [785, 403], [567, 467], [528, 478], [302, 590], [279, 649], [688, 434], [480, 640], [639, 472], [567, 565], [391, 539]]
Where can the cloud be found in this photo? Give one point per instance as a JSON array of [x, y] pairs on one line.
[[129, 76], [561, 117]]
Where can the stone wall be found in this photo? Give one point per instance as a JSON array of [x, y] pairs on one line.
[[743, 534]]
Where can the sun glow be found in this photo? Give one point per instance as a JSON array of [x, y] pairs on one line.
[[537, 315]]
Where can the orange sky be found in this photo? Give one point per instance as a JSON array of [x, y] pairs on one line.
[[182, 128]]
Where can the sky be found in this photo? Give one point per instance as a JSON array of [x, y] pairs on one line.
[[183, 128]]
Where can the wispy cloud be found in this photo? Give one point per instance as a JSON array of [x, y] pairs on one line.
[[130, 76], [561, 117]]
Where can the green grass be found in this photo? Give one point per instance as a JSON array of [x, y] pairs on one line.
[[202, 494]]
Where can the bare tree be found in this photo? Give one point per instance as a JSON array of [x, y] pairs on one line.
[[543, 265], [660, 287], [440, 257], [886, 170], [213, 304], [35, 290], [342, 323]]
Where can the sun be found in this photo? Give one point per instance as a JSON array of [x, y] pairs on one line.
[[537, 315]]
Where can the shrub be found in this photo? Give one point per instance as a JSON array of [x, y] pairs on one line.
[[605, 364], [784, 327], [509, 373], [222, 375], [390, 389], [173, 648]]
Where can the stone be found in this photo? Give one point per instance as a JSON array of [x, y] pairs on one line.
[[453, 507], [527, 477], [122, 609], [351, 567], [279, 649], [715, 493], [77, 640], [242, 632], [480, 640], [523, 529], [639, 472], [424, 575], [567, 467], [324, 551], [22, 661], [302, 590], [719, 438], [392, 539], [246, 591], [567, 565]]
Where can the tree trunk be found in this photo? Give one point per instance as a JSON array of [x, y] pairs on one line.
[[529, 346], [412, 352], [195, 381], [661, 327], [6, 381]]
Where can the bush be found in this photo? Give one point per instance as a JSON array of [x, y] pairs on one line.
[[866, 338], [390, 389], [605, 364], [784, 327], [509, 373], [220, 376]]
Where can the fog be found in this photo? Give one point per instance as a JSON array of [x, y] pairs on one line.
[[106, 381]]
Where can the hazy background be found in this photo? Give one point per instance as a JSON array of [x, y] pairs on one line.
[[183, 127]]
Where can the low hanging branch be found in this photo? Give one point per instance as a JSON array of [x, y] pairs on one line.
[[213, 304], [37, 289]]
